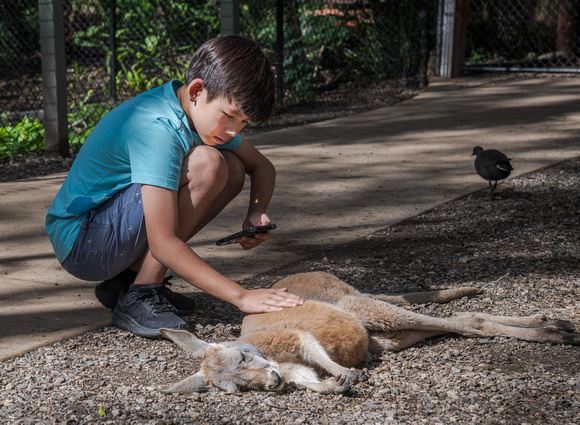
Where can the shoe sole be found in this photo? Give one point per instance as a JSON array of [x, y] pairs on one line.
[[126, 322]]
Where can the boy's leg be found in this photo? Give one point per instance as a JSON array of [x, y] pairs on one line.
[[205, 172], [111, 238], [198, 204], [234, 185], [108, 291]]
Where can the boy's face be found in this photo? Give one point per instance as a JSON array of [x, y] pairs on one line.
[[217, 121]]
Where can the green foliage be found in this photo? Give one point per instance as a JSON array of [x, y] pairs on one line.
[[327, 43], [481, 56], [28, 135], [83, 117], [19, 29], [25, 137], [154, 40]]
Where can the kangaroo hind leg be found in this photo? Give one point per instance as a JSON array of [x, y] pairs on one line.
[[535, 321], [536, 328], [393, 341], [380, 316]]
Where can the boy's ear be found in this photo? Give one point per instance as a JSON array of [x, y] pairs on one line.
[[194, 89]]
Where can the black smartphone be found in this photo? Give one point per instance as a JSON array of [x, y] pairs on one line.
[[250, 231]]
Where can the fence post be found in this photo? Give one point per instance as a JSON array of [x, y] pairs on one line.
[[424, 51], [279, 65], [451, 36], [51, 19], [567, 28], [459, 37], [230, 16]]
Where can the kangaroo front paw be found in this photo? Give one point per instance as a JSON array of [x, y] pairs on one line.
[[333, 386], [351, 377]]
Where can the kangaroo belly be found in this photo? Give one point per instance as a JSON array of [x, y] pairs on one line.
[[342, 335]]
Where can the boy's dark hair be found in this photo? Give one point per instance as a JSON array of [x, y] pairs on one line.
[[236, 68]]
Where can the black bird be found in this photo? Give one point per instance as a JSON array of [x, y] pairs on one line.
[[492, 165]]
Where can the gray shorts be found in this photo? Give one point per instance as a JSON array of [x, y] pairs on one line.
[[111, 238]]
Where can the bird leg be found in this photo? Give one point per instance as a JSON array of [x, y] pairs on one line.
[[492, 188]]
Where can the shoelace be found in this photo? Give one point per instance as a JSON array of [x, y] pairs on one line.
[[156, 299]]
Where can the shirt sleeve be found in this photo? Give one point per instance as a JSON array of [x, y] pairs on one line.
[[156, 152]]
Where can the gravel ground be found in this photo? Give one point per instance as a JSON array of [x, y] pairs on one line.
[[523, 248]]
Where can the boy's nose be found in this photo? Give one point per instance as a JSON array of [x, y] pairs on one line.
[[232, 132]]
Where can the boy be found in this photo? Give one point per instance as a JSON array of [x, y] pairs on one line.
[[155, 171]]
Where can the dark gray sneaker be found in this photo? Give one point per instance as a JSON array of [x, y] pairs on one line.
[[143, 310], [108, 292]]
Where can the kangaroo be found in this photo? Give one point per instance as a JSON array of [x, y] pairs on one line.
[[332, 332]]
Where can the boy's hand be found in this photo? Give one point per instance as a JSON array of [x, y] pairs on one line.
[[249, 242], [268, 300]]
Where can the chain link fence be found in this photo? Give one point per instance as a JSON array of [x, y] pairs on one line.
[[20, 78], [335, 54], [523, 35], [343, 55], [333, 51], [117, 49]]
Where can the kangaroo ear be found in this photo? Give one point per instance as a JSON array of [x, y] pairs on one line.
[[186, 341], [193, 384]]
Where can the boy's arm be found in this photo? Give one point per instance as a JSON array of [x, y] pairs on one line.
[[160, 209], [262, 180]]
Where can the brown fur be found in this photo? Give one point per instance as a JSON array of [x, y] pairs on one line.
[[333, 330], [344, 338]]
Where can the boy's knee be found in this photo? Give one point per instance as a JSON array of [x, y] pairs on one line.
[[205, 164]]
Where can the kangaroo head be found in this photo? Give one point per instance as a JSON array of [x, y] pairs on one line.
[[232, 366]]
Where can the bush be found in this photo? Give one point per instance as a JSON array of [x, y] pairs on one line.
[[25, 137]]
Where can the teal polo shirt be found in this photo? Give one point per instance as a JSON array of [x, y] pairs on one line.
[[143, 140]]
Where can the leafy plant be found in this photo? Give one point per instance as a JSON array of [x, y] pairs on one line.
[[28, 136], [83, 117], [25, 137]]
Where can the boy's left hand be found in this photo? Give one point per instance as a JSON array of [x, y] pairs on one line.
[[268, 300], [249, 242]]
